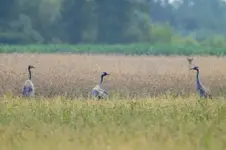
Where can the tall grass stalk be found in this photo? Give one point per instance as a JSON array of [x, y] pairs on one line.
[[150, 123]]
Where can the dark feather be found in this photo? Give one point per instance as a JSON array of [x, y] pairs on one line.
[[27, 90]]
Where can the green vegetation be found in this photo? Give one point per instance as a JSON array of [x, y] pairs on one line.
[[133, 49], [152, 123], [184, 24]]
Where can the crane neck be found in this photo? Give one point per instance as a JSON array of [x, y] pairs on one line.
[[197, 77], [29, 73], [101, 79]]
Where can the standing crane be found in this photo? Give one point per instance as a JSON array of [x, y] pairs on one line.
[[201, 89], [29, 89], [97, 91]]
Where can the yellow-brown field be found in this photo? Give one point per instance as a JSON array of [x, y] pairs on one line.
[[145, 122], [131, 76]]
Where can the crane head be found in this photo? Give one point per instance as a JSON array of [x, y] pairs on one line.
[[30, 66], [105, 74], [195, 68]]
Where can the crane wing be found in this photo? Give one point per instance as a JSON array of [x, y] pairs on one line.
[[28, 89], [206, 91], [98, 92]]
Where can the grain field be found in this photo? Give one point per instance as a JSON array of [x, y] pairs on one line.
[[131, 76]]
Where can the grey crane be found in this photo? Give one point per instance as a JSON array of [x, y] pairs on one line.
[[201, 89], [97, 91], [28, 89]]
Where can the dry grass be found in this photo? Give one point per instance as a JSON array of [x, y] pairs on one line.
[[158, 123], [75, 75]]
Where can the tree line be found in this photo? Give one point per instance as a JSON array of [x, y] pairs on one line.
[[113, 21]]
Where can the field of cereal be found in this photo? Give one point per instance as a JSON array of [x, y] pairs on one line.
[[131, 76], [153, 104]]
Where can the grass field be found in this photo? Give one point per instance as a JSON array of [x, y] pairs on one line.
[[153, 104], [116, 124], [131, 76]]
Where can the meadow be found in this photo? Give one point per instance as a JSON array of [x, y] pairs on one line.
[[152, 104]]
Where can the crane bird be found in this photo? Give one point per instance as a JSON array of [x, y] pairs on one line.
[[29, 89], [97, 91], [201, 89], [190, 59]]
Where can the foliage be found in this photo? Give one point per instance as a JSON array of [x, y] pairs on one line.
[[115, 22], [187, 46]]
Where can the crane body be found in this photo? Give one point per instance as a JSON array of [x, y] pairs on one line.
[[201, 89], [28, 88], [97, 91]]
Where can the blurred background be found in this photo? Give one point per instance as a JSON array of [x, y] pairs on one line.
[[191, 22]]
